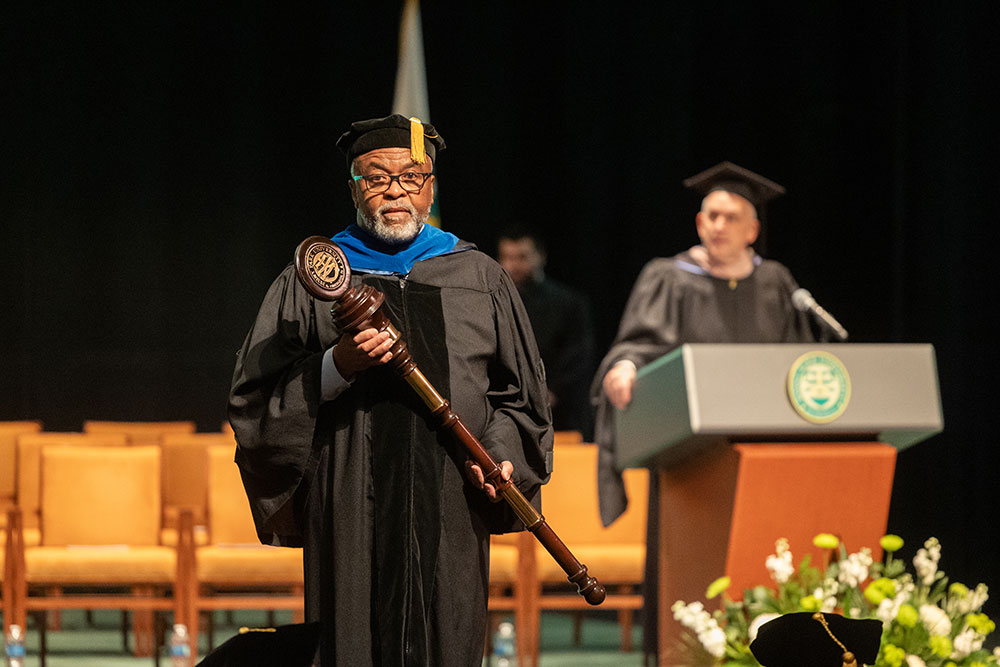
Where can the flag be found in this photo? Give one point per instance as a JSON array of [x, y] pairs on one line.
[[410, 96]]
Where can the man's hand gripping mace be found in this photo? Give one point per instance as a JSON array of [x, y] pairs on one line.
[[323, 271]]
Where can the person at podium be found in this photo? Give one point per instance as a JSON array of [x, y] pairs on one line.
[[719, 291]]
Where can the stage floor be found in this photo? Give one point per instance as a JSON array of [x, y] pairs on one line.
[[79, 644]]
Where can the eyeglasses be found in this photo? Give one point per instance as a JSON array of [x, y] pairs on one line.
[[411, 181]]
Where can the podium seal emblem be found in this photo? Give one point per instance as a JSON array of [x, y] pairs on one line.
[[819, 387]]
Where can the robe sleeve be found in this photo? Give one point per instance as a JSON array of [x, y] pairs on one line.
[[274, 402], [519, 428], [648, 330]]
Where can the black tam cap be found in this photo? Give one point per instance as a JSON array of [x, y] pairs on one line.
[[291, 645], [393, 131], [794, 640], [733, 178]]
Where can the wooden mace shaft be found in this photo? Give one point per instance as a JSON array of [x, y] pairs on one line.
[[361, 308]]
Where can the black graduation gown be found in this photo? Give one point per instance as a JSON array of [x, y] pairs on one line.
[[675, 302], [396, 542]]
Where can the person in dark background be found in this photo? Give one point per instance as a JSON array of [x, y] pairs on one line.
[[720, 291], [335, 450], [560, 317]]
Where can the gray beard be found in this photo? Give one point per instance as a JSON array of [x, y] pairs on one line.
[[391, 234]]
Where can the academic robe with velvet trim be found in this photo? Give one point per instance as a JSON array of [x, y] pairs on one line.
[[674, 302], [396, 541]]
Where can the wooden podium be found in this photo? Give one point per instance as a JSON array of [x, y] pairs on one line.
[[738, 465]]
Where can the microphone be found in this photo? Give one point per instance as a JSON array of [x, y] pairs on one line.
[[803, 300]]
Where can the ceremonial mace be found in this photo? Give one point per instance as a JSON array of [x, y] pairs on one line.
[[323, 271]]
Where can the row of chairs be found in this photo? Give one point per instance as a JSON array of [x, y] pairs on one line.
[[174, 497], [99, 521], [524, 578]]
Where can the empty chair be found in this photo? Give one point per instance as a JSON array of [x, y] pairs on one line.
[[9, 432], [567, 438], [29, 452], [235, 571], [185, 479], [139, 433], [615, 555], [510, 574], [100, 536]]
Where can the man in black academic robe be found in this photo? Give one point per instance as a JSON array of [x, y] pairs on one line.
[[720, 291], [338, 454]]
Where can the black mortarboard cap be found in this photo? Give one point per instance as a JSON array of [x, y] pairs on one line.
[[393, 131], [794, 640], [287, 645], [733, 178]]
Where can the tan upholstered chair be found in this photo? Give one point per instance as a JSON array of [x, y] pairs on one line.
[[615, 555], [100, 534], [29, 452], [235, 571], [9, 432], [139, 433], [510, 573], [567, 438], [185, 479]]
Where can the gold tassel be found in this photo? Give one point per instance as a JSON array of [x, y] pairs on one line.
[[417, 140], [848, 657]]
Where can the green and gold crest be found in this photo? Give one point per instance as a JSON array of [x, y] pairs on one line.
[[819, 387]]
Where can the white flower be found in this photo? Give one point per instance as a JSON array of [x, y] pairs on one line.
[[779, 564], [888, 609], [714, 640], [692, 616], [854, 569], [914, 661], [974, 600], [707, 629], [967, 641], [935, 620], [926, 561], [757, 622]]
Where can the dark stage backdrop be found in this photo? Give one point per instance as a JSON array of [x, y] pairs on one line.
[[162, 160]]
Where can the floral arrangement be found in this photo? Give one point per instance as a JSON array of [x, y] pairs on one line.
[[927, 622]]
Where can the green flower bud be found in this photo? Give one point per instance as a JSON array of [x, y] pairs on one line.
[[907, 616], [717, 587], [893, 655], [809, 603], [826, 541], [958, 590], [891, 543], [880, 589], [940, 646], [981, 623]]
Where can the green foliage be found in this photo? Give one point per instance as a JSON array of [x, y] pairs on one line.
[[926, 621]]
